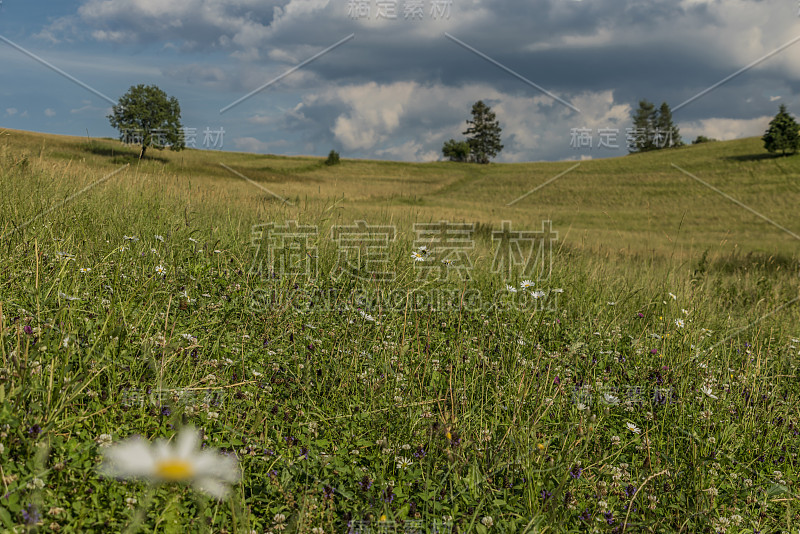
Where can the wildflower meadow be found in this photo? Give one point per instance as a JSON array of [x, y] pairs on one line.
[[357, 351]]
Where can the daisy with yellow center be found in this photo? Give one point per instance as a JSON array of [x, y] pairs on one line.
[[181, 461]]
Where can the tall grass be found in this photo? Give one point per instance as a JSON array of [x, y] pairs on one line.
[[657, 393]]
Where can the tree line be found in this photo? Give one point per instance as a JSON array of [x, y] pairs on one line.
[[156, 118]]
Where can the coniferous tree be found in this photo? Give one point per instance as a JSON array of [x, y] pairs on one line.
[[653, 129], [667, 134], [782, 133], [483, 133], [644, 125]]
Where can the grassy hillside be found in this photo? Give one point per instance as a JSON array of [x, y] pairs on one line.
[[639, 204], [645, 382]]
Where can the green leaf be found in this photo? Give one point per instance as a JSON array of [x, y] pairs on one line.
[[6, 517]]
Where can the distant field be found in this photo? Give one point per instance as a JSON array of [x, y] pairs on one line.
[[639, 205]]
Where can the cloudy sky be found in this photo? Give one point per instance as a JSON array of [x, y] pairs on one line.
[[395, 79]]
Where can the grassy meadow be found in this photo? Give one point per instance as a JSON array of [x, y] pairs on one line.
[[646, 380]]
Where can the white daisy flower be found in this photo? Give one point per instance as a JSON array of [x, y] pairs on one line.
[[673, 296], [181, 461], [193, 240], [65, 256], [558, 290], [402, 463], [418, 256], [526, 284], [679, 323], [537, 294], [633, 428], [511, 289], [86, 269], [160, 269], [707, 391], [611, 303], [159, 238], [130, 238]]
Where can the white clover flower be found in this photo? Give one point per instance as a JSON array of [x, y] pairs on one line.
[[189, 337], [487, 521], [36, 483], [164, 462], [633, 428], [104, 440], [610, 399]]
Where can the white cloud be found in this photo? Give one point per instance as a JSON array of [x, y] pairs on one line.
[[724, 129], [89, 108], [49, 112], [11, 111], [373, 114], [409, 151], [251, 144], [411, 121]]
